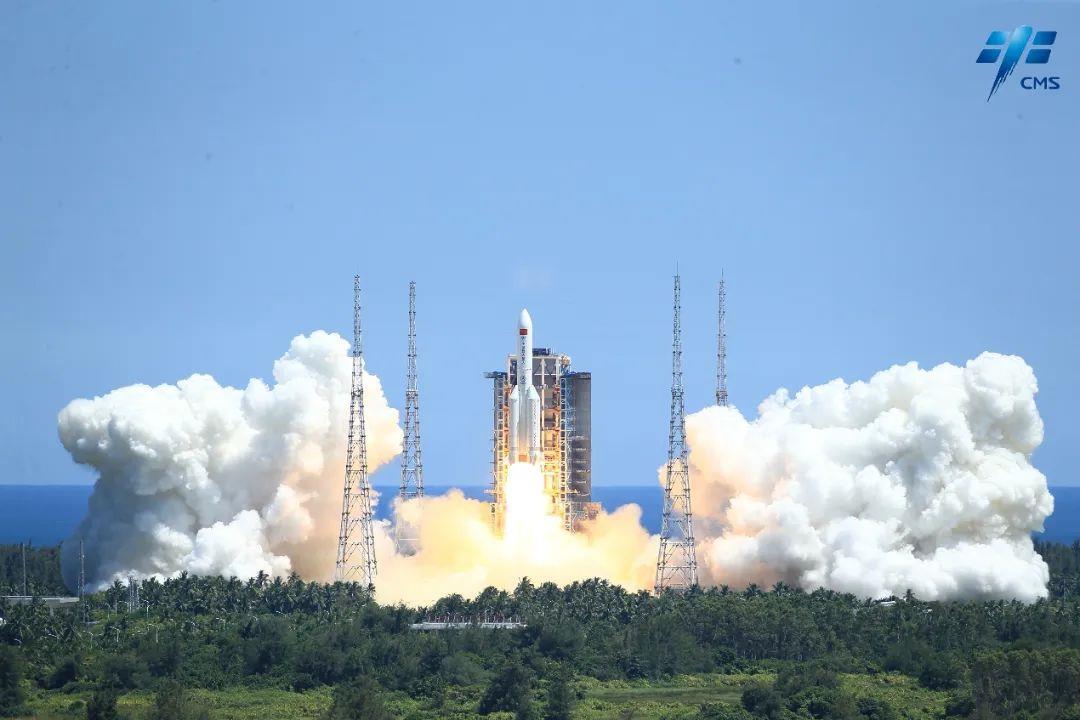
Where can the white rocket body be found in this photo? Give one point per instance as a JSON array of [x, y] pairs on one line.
[[525, 401]]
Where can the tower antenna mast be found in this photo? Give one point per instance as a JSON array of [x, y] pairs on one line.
[[133, 594], [676, 563], [356, 543], [721, 344], [412, 466], [83, 609]]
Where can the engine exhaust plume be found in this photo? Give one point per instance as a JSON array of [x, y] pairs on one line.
[[460, 553]]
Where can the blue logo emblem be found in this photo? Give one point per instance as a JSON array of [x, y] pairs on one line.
[[1015, 43]]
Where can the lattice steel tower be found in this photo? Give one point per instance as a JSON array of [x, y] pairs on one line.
[[676, 564], [133, 594], [412, 468], [83, 607], [356, 543], [721, 345]]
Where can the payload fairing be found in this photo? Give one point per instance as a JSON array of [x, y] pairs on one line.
[[525, 444]]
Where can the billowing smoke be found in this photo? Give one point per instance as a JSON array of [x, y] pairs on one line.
[[460, 553], [209, 479], [917, 479]]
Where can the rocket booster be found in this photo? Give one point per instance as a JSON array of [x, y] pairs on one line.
[[525, 401]]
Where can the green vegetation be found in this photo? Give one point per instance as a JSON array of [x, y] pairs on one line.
[[11, 692], [358, 698], [42, 571], [283, 648], [102, 704]]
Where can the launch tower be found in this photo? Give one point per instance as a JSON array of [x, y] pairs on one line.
[[356, 541], [676, 563], [565, 433], [412, 467], [721, 344]]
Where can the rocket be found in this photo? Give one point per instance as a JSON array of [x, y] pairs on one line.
[[525, 401]]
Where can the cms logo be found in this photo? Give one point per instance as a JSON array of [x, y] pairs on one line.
[[1006, 48], [1040, 83]]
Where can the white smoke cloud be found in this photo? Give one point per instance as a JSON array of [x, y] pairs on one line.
[[209, 479], [917, 479]]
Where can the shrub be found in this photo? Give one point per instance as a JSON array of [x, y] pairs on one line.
[[959, 706], [761, 700], [876, 709], [560, 696], [102, 704], [66, 670], [461, 669], [942, 672], [304, 681], [11, 673], [172, 702], [123, 671], [508, 691], [359, 698]]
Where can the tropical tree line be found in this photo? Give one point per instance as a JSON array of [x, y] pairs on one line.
[[42, 570], [994, 658]]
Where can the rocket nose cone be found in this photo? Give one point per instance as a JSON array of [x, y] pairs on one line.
[[524, 321]]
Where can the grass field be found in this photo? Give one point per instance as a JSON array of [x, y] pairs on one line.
[[232, 704], [680, 697], [674, 699]]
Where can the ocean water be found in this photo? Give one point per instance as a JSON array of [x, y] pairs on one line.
[[47, 514]]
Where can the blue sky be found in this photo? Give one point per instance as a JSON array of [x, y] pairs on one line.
[[186, 186]]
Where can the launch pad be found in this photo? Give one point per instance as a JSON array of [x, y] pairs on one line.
[[548, 424]]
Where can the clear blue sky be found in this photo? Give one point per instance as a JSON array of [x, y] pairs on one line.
[[185, 186]]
